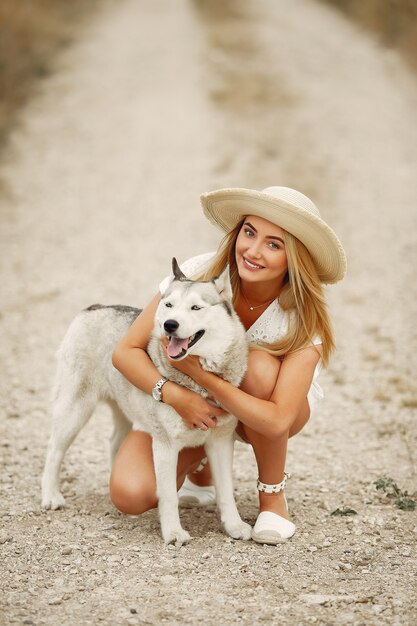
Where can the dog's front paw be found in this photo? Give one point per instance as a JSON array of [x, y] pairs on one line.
[[239, 530], [53, 500], [177, 536]]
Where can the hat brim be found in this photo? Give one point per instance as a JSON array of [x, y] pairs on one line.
[[226, 207]]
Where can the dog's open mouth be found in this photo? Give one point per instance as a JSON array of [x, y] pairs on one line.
[[177, 348]]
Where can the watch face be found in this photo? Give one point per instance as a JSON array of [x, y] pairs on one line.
[[156, 393]]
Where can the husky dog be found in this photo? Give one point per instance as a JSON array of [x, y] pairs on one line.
[[199, 319]]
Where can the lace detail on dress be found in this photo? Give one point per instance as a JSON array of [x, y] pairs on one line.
[[271, 326]]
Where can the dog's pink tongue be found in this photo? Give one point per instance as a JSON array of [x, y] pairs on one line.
[[176, 346]]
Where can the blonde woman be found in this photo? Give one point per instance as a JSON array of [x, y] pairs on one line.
[[280, 253]]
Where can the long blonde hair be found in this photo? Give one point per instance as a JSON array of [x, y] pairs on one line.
[[302, 296]]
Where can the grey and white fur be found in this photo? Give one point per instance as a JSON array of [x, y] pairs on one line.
[[199, 319]]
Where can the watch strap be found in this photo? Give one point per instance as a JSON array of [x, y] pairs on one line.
[[160, 383], [156, 391]]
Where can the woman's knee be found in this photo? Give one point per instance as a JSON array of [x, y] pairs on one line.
[[132, 498], [262, 374], [132, 480]]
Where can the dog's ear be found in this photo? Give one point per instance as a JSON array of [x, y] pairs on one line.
[[223, 284], [178, 274]]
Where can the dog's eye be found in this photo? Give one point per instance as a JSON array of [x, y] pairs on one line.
[[195, 307], [168, 304]]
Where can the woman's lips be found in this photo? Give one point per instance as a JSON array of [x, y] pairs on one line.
[[250, 265]]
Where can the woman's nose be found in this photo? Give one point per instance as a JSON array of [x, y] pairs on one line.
[[254, 249]]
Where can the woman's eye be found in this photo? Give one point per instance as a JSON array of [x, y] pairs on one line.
[[273, 245], [249, 233], [168, 304], [195, 307]]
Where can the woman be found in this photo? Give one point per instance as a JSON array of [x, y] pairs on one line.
[[279, 253]]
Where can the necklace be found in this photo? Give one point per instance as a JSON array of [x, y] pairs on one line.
[[258, 306]]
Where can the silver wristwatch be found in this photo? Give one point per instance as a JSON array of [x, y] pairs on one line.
[[156, 391]]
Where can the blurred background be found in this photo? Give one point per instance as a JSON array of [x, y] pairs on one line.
[[33, 32]]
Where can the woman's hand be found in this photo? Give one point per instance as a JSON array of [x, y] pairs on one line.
[[196, 411], [190, 366]]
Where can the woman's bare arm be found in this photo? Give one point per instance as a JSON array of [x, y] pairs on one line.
[[268, 417], [130, 356]]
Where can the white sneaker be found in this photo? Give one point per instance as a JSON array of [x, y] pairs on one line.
[[191, 495]]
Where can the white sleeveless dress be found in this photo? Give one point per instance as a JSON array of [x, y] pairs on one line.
[[268, 328]]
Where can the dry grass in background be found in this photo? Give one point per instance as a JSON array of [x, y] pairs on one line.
[[393, 21], [31, 34]]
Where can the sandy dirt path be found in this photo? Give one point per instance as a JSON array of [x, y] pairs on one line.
[[158, 102]]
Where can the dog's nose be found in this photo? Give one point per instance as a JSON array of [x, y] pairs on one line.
[[171, 326]]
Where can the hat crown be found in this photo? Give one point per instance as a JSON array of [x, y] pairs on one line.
[[294, 197]]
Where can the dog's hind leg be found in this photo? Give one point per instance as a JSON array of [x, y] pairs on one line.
[[70, 414], [165, 457], [220, 455], [121, 427]]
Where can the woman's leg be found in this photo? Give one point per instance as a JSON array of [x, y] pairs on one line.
[[203, 478], [260, 382], [132, 480]]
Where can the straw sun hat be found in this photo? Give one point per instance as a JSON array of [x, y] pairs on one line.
[[287, 208]]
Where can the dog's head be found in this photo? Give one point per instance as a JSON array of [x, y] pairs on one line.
[[194, 315]]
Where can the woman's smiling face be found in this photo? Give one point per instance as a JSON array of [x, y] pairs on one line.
[[260, 251]]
